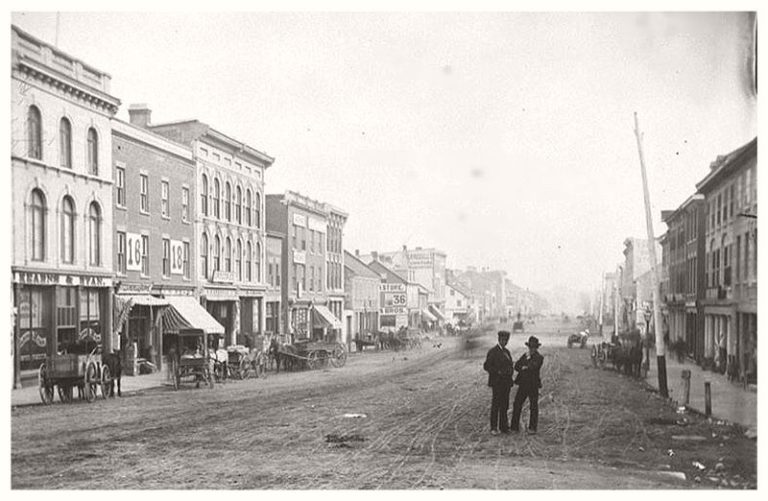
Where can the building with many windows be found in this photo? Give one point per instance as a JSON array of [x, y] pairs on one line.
[[154, 239], [305, 291], [229, 225], [274, 325], [361, 285], [334, 267], [61, 202], [730, 302]]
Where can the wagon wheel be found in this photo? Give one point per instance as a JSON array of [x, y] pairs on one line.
[[339, 356], [106, 382], [312, 360], [244, 369], [91, 382], [46, 387]]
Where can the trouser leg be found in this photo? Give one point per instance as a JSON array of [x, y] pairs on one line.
[[533, 400], [504, 408], [495, 404], [517, 408]]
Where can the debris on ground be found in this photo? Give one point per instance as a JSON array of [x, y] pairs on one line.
[[333, 438], [354, 415], [681, 409], [699, 465], [689, 438], [675, 474], [670, 452]]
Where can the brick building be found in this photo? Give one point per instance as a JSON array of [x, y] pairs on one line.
[[304, 275], [154, 233]]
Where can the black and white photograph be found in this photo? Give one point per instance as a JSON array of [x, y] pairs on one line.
[[382, 247]]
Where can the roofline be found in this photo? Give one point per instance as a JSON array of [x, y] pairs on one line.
[[742, 155], [688, 202], [132, 131]]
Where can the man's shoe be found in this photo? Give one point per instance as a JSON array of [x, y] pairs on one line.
[[494, 432], [531, 432]]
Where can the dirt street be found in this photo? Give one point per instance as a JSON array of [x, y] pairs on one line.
[[415, 419]]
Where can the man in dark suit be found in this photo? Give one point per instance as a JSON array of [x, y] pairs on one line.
[[498, 364], [528, 383]]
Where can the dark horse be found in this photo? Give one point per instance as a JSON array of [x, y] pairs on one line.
[[276, 353], [112, 360]]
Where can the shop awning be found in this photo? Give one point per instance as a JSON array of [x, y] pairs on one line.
[[185, 313], [436, 312], [427, 315], [327, 316], [144, 300]]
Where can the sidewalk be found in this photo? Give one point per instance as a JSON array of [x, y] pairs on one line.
[[730, 401], [29, 395]]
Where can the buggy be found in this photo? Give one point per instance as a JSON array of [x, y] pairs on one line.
[[190, 358], [65, 371]]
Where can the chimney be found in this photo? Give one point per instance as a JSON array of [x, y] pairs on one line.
[[357, 252], [140, 115], [405, 248], [375, 255]]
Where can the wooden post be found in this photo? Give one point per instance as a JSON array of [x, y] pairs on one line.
[[708, 399], [686, 375], [660, 358]]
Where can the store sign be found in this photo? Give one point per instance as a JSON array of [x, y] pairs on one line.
[[223, 277], [225, 294], [133, 252], [392, 288], [394, 310], [300, 257], [419, 259], [300, 220], [177, 257], [395, 299], [34, 278], [317, 225]]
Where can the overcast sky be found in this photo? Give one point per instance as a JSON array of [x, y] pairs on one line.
[[504, 139]]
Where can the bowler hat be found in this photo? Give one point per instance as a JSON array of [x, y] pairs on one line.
[[533, 342], [504, 334]]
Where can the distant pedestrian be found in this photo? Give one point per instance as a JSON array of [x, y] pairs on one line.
[[528, 383], [498, 364]]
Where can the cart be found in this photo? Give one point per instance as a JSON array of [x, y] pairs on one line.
[[243, 363], [315, 354], [190, 358], [66, 371]]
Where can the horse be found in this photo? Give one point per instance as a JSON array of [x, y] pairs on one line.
[[115, 364], [273, 353]]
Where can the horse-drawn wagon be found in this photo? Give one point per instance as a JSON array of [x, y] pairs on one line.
[[243, 363], [190, 358], [313, 354], [67, 371], [578, 339]]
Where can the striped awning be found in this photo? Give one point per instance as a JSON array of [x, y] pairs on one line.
[[327, 316], [145, 300], [436, 312], [186, 313]]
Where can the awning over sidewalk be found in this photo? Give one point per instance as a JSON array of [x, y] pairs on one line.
[[327, 316], [436, 312], [145, 300], [425, 312], [186, 313]]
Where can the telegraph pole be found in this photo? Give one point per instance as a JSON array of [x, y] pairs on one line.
[[602, 295], [660, 358]]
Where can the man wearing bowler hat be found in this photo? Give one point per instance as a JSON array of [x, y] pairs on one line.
[[528, 383], [498, 363]]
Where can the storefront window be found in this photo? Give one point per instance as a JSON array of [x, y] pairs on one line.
[[89, 331], [33, 327]]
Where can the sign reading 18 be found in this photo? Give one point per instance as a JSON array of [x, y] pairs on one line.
[[134, 252]]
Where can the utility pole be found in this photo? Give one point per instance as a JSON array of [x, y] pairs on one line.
[[602, 295], [660, 358], [616, 298]]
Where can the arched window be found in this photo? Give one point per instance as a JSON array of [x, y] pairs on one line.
[[204, 196], [34, 133], [228, 256], [216, 253], [94, 234], [68, 230], [216, 198], [248, 261], [248, 215], [228, 202], [37, 225], [65, 143], [239, 260], [257, 262], [239, 206], [204, 255], [257, 210], [93, 152]]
